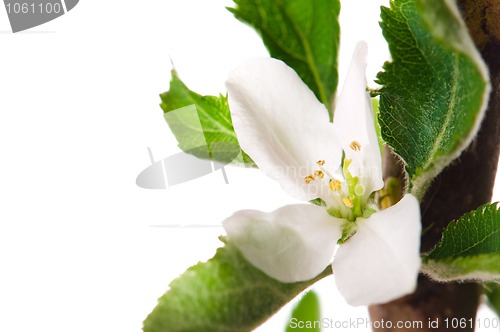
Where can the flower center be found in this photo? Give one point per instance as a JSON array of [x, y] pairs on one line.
[[344, 190]]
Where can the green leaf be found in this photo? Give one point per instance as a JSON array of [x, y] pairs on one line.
[[202, 124], [492, 291], [435, 90], [224, 294], [469, 249], [304, 34], [306, 315], [375, 105]]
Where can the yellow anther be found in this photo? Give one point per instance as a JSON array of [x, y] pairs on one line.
[[347, 202], [355, 145], [319, 174], [320, 162], [308, 179], [335, 185]]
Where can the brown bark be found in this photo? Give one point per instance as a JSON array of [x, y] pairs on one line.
[[463, 186]]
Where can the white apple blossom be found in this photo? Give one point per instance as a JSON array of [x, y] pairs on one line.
[[286, 130]]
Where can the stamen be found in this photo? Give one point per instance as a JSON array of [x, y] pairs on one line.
[[320, 162], [319, 174], [325, 172], [335, 185], [347, 202], [308, 179], [355, 145]]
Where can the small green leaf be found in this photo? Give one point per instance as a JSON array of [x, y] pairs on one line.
[[469, 249], [306, 315], [202, 124], [476, 232], [224, 294], [304, 34], [434, 91], [492, 291]]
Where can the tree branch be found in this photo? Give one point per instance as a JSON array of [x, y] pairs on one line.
[[463, 186]]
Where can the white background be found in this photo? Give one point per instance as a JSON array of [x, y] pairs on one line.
[[81, 247]]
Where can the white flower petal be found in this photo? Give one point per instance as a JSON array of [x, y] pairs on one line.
[[293, 243], [381, 261], [354, 122], [281, 125]]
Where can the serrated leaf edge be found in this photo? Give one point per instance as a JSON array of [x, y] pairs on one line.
[[422, 182]]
